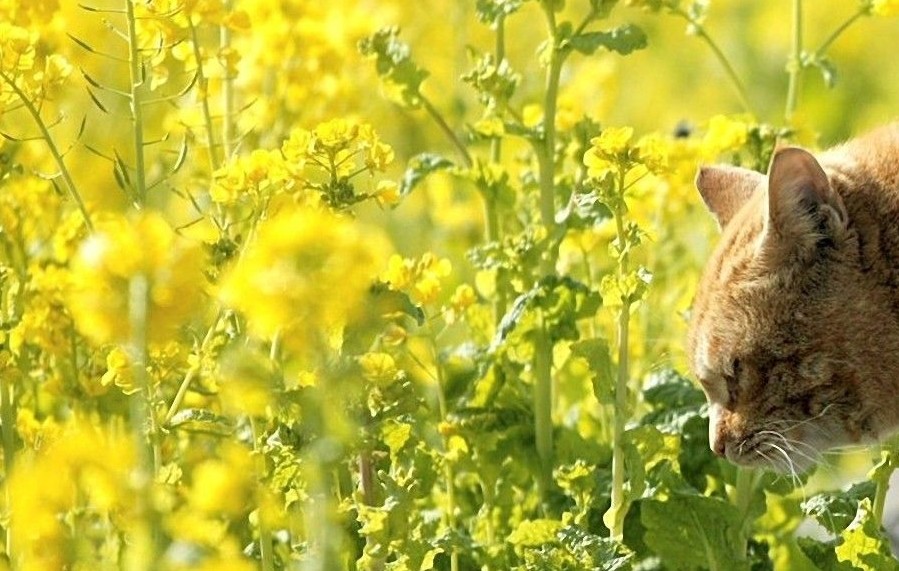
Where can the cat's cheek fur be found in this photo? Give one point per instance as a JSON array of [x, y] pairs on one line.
[[804, 278]]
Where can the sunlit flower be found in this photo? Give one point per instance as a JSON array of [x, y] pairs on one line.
[[379, 368], [885, 7], [120, 255], [307, 272], [724, 134]]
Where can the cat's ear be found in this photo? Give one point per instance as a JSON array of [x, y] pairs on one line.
[[725, 189], [801, 204]]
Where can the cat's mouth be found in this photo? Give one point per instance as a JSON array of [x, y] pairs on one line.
[[783, 453]]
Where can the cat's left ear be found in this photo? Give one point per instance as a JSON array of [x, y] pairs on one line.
[[802, 206], [725, 189]]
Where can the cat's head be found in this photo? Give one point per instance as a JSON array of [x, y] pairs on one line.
[[774, 335]]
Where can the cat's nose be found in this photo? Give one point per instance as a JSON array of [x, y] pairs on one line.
[[718, 446]]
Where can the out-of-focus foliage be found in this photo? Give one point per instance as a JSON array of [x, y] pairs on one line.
[[394, 285]]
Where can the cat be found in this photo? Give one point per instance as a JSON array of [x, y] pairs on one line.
[[794, 334]]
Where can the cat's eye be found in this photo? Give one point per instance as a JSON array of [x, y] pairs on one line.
[[732, 379]]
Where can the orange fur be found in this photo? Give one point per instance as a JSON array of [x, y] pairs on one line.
[[795, 328]]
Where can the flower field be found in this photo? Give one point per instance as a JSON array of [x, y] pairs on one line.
[[382, 285]]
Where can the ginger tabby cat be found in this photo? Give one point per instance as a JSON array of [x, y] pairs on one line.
[[795, 327]]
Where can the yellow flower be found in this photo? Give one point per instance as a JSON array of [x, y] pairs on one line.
[[652, 151], [120, 255], [463, 298], [224, 485], [421, 278], [336, 133], [308, 271], [85, 471], [379, 368], [613, 140], [387, 193], [724, 134], [491, 126], [885, 7], [531, 115]]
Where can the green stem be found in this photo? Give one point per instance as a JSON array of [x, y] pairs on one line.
[[142, 418], [744, 488], [447, 130], [881, 473], [203, 83], [8, 421], [54, 151], [265, 534], [448, 471], [794, 65], [491, 206], [722, 59], [194, 370], [227, 93], [543, 427], [547, 151], [825, 45], [137, 113], [618, 509]]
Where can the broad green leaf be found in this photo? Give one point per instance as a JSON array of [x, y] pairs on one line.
[[623, 40], [535, 532], [395, 435], [864, 543], [690, 532], [598, 355], [419, 167], [561, 302], [836, 510], [822, 555]]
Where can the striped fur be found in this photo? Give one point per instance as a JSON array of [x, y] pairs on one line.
[[795, 328]]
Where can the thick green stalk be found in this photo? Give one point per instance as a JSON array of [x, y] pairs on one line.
[[491, 215], [449, 474], [265, 535], [136, 71], [622, 405], [8, 421], [54, 150], [143, 425], [794, 65], [543, 349], [227, 93], [881, 474], [543, 427], [741, 497]]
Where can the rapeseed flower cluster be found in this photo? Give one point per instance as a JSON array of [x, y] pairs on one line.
[[285, 283]]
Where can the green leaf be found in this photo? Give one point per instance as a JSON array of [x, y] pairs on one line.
[[836, 510], [594, 552], [491, 11], [864, 543], [201, 420], [419, 167], [598, 355], [561, 300], [822, 554], [622, 40], [535, 532], [690, 532], [394, 64]]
